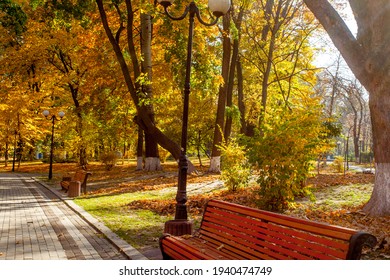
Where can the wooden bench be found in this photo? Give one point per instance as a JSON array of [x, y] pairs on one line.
[[80, 176], [232, 231]]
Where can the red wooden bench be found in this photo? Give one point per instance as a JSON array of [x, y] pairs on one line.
[[80, 176], [232, 231]]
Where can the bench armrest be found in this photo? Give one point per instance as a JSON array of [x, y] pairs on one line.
[[357, 242]]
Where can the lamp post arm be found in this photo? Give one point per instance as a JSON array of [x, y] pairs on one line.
[[203, 22], [192, 9], [187, 10]]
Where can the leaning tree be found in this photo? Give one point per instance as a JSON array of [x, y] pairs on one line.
[[368, 56]]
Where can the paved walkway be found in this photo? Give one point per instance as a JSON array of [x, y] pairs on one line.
[[37, 225]]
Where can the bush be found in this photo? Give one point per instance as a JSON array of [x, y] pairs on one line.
[[109, 159], [235, 168], [338, 164], [367, 157], [282, 154]]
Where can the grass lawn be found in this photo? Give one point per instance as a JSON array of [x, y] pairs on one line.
[[140, 228]]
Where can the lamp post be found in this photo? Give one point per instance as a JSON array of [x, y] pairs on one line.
[[338, 148], [53, 118], [14, 158], [181, 225]]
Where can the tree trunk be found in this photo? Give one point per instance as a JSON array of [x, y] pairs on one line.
[[143, 115], [82, 148], [335, 82], [240, 93], [269, 5], [6, 151], [276, 20], [140, 150], [368, 56], [152, 158], [215, 162], [232, 73], [379, 203]]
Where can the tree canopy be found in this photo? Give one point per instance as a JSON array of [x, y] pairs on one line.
[[116, 67]]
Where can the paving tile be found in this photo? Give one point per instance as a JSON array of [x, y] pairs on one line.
[[36, 225]]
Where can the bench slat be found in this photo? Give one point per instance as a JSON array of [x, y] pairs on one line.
[[221, 248], [314, 227], [252, 223], [192, 249], [268, 232], [261, 247], [244, 251], [196, 248]]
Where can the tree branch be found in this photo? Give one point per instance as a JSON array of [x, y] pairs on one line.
[[341, 36]]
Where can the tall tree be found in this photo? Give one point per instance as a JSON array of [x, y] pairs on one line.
[[353, 96], [127, 21], [152, 158], [368, 56], [276, 56], [237, 16], [215, 162]]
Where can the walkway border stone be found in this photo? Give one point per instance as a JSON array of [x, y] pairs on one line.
[[118, 242]]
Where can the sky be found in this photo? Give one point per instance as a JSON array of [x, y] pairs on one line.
[[328, 56]]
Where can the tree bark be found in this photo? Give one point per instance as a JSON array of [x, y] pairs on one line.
[[152, 158], [215, 164], [232, 72], [140, 150], [368, 56], [240, 93]]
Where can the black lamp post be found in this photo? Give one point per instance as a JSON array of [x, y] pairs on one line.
[[338, 148], [181, 225], [53, 118], [14, 158]]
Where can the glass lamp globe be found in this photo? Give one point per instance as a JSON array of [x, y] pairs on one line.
[[219, 7]]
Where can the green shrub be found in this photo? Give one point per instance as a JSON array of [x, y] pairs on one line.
[[235, 168], [281, 155], [109, 159], [338, 164]]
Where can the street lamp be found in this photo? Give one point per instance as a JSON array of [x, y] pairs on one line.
[[53, 118], [14, 158], [338, 148], [181, 225]]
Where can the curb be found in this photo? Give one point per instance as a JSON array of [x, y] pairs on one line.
[[123, 246]]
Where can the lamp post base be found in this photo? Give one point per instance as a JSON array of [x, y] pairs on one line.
[[179, 227]]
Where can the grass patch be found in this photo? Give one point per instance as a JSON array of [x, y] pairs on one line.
[[140, 228], [338, 197]]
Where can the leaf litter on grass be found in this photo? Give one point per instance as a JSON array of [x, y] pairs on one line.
[[339, 201], [339, 198]]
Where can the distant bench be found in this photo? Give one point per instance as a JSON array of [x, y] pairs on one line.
[[80, 176], [232, 231]]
